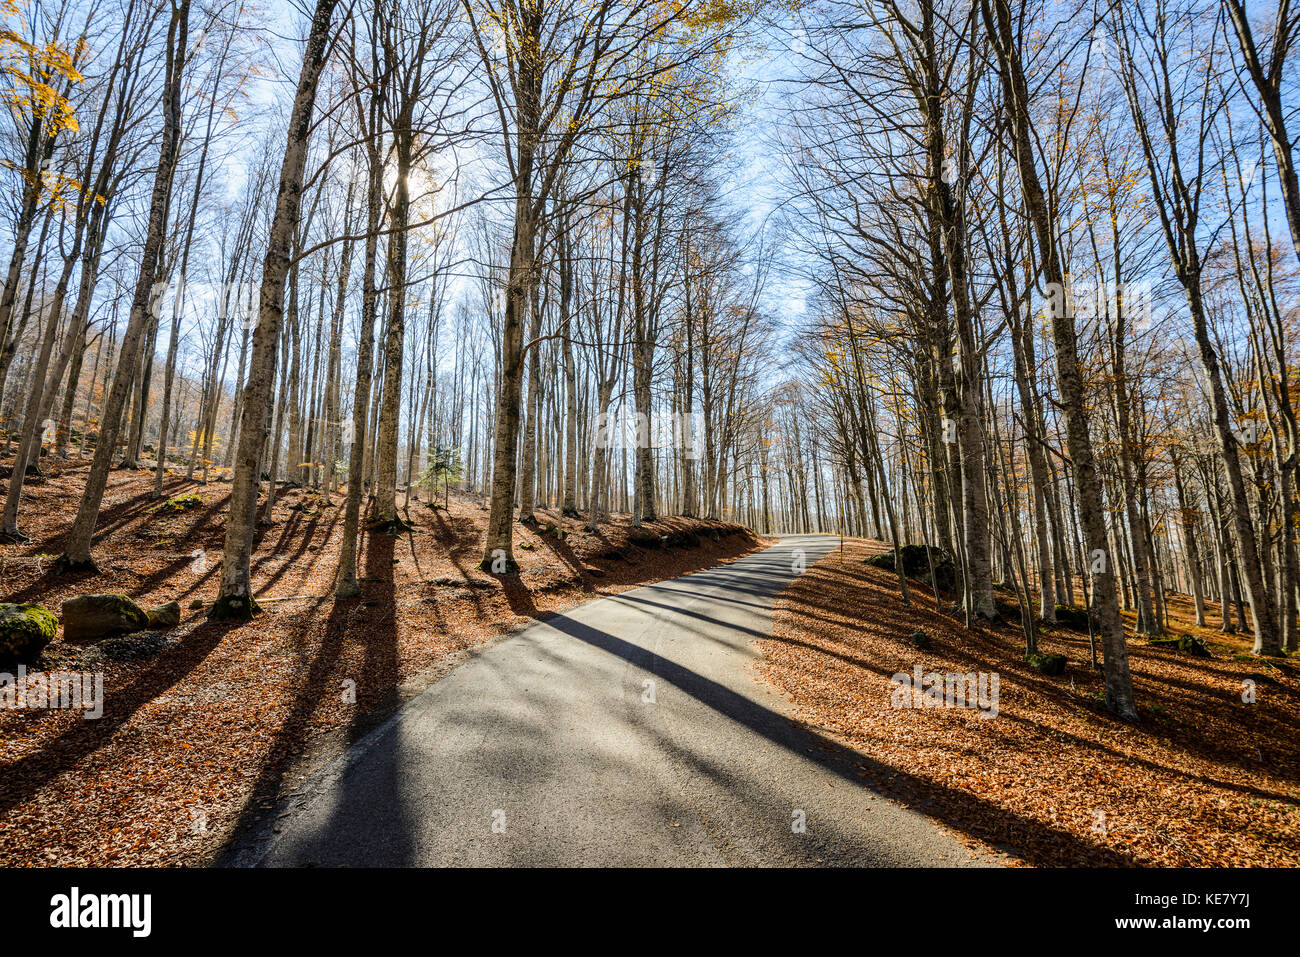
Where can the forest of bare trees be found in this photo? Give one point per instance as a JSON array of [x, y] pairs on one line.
[[1021, 290]]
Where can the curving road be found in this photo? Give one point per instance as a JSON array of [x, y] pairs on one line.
[[630, 731]]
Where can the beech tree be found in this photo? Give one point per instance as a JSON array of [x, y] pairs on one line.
[[235, 599], [1015, 299]]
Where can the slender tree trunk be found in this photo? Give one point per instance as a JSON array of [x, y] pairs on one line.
[[235, 599], [76, 552]]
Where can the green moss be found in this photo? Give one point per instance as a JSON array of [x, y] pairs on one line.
[[128, 609], [1073, 618], [1188, 644], [181, 503], [33, 619], [1051, 665], [25, 630]]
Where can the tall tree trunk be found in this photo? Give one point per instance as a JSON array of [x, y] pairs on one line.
[[235, 598], [1119, 682], [76, 549]]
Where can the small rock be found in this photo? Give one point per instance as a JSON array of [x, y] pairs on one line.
[[196, 604], [164, 616]]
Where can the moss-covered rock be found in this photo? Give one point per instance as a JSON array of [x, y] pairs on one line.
[[1068, 616], [164, 616], [1188, 644], [182, 503], [918, 639], [917, 561], [1050, 665], [89, 617], [25, 630]]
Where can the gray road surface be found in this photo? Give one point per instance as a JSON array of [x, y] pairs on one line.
[[629, 731]]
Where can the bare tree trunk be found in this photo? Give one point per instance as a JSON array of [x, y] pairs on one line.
[[235, 599], [1119, 683], [345, 582], [76, 549], [389, 409]]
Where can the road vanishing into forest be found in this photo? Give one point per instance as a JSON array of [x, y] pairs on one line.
[[629, 731]]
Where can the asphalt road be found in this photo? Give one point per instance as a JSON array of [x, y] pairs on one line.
[[630, 731]]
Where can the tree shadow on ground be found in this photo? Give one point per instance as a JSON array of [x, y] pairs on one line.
[[1036, 843], [29, 773], [373, 616]]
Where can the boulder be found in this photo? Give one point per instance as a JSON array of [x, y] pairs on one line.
[[1188, 644], [1068, 616], [1050, 665], [24, 631], [945, 575], [182, 503], [918, 639], [164, 616], [915, 558], [88, 617], [916, 564]]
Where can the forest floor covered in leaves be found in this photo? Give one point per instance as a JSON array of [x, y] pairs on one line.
[[205, 725], [1205, 780]]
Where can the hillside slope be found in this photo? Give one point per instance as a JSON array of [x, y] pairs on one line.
[[205, 724]]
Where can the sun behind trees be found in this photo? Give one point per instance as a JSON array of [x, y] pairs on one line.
[[1009, 286]]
